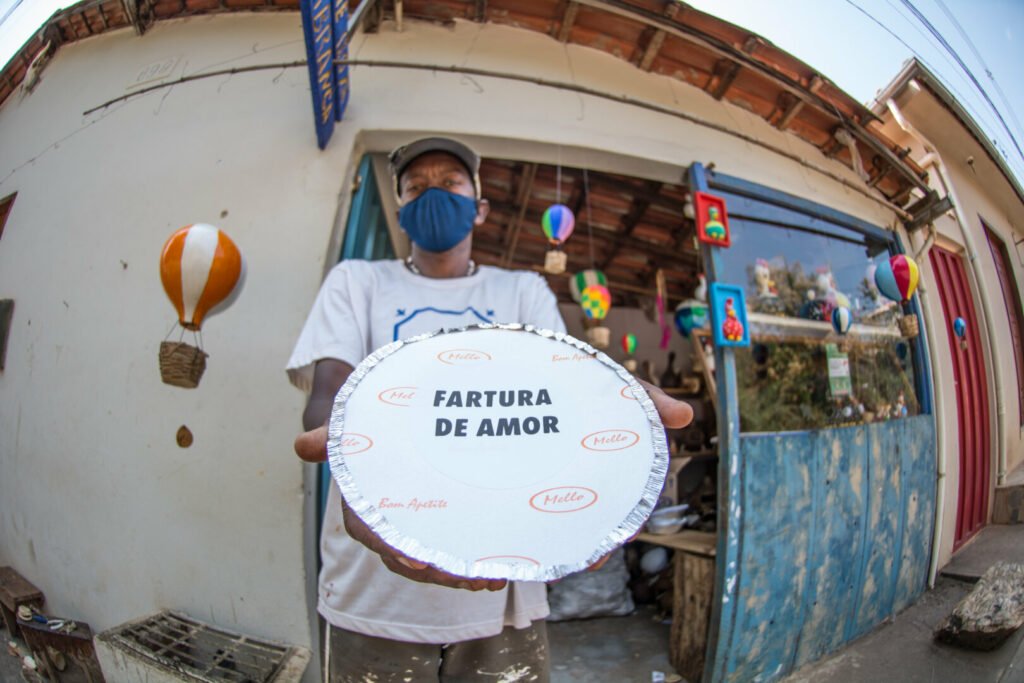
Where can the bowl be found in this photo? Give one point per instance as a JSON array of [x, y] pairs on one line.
[[664, 524], [667, 520]]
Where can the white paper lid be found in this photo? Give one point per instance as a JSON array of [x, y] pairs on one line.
[[498, 451]]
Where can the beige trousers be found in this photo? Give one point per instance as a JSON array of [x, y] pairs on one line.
[[512, 656]]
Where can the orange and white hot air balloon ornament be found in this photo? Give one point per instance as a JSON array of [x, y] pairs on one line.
[[202, 271]]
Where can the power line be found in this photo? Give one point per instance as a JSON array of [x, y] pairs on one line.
[[978, 116], [981, 60], [949, 48], [912, 51], [10, 11]]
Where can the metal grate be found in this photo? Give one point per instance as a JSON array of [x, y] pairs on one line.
[[204, 652]]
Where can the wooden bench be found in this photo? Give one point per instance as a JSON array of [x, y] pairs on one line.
[[693, 592], [15, 591]]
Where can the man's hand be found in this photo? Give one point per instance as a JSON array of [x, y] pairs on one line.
[[674, 414], [311, 446]]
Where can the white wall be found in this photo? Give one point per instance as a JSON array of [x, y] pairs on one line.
[[981, 193], [98, 505]]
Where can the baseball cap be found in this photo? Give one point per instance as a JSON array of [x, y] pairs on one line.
[[406, 154]]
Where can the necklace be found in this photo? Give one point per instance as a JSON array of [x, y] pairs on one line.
[[414, 269]]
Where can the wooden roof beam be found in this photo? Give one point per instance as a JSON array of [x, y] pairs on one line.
[[522, 204], [653, 47], [632, 218], [723, 50], [789, 106], [725, 72], [103, 17], [568, 19], [644, 246]]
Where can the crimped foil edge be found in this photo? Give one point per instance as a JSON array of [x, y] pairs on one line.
[[378, 523]]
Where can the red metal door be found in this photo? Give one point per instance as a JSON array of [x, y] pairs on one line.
[[971, 394]]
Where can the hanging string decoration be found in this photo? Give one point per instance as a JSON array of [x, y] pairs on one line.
[[897, 278], [202, 271], [661, 304]]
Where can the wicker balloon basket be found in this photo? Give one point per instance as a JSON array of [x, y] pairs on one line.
[[554, 262], [908, 326], [181, 364], [599, 337]]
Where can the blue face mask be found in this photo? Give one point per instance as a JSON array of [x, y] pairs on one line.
[[437, 220]]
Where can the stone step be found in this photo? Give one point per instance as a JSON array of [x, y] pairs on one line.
[[994, 543], [990, 613], [1008, 504]]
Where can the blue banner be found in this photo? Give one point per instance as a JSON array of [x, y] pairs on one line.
[[324, 24]]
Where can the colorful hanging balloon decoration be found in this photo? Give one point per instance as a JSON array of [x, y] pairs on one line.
[[629, 347], [841, 319], [897, 278], [583, 279], [202, 271], [557, 224], [629, 343], [960, 330], [595, 301], [693, 312]]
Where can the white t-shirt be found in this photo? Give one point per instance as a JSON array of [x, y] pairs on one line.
[[362, 306]]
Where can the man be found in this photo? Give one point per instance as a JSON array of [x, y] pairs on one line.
[[391, 617]]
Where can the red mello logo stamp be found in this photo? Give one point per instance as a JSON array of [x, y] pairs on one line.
[[352, 443], [397, 396], [610, 440], [463, 357], [563, 499]]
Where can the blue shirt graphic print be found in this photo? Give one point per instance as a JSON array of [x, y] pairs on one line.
[[429, 319]]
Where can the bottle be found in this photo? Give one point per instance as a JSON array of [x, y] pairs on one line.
[[671, 378]]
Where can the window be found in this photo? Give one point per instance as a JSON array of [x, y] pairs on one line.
[[798, 261], [1011, 297]]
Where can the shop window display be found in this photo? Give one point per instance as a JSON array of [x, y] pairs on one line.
[[799, 373]]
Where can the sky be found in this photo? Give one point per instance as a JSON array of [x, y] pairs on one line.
[[860, 45]]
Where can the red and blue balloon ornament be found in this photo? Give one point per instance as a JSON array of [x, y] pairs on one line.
[[897, 278]]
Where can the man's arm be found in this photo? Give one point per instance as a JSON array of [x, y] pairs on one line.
[[328, 376]]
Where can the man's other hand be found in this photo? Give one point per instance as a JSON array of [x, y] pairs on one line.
[[311, 446]]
